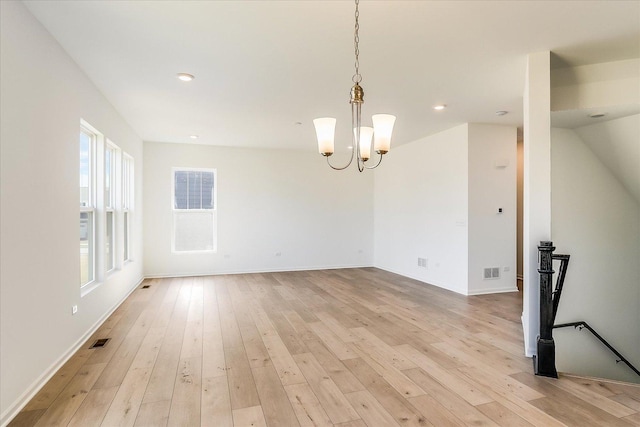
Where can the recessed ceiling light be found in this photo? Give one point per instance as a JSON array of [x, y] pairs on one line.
[[440, 107], [193, 136], [501, 113], [185, 77], [597, 115]]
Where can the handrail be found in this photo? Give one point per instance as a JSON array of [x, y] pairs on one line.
[[583, 324]]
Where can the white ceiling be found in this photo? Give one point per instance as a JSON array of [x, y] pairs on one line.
[[263, 66]]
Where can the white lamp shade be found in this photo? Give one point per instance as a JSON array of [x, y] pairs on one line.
[[382, 129], [366, 134], [325, 131]]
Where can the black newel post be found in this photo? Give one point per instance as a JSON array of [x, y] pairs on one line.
[[545, 361]]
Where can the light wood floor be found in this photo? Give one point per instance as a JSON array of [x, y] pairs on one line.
[[357, 347]]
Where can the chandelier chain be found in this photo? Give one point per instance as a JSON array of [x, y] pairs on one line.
[[357, 78]]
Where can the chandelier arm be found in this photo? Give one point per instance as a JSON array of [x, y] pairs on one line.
[[338, 168], [377, 164]]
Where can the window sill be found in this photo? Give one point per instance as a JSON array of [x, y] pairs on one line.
[[86, 289]]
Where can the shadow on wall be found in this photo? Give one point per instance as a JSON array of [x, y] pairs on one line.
[[595, 183]]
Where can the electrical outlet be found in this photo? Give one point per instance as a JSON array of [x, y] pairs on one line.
[[74, 309]]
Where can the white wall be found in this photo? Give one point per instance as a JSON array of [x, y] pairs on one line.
[[492, 185], [421, 209], [595, 85], [597, 221], [437, 198], [615, 143], [269, 202], [44, 96]]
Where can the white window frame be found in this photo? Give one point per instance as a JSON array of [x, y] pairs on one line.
[[214, 210], [90, 208], [110, 206], [127, 203]]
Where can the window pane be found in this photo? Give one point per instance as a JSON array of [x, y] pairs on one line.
[[86, 247], [85, 169], [109, 246], [193, 231], [108, 176], [181, 190], [207, 190], [195, 190]]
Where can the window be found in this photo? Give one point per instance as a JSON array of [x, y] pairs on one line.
[[194, 210], [87, 206], [110, 159], [127, 203], [106, 202]]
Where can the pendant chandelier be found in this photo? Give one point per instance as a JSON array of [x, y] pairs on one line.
[[362, 135]]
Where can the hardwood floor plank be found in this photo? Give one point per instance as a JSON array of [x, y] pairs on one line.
[[398, 380], [444, 377], [231, 337], [251, 416], [449, 400], [213, 362], [282, 360], [380, 351], [400, 408], [162, 381], [93, 408], [28, 418], [192, 341], [187, 394], [69, 400], [563, 405], [339, 373], [275, 403], [306, 406], [370, 410], [242, 387], [501, 415], [341, 349], [254, 346], [127, 401], [216, 402], [596, 399], [153, 414], [333, 401], [52, 389]]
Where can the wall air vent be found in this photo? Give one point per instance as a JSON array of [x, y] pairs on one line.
[[100, 343], [491, 273]]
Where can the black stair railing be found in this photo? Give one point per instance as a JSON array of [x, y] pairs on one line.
[[584, 325], [545, 360]]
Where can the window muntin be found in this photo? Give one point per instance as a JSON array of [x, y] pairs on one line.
[[194, 210]]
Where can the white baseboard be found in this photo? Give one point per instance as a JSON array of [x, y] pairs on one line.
[[252, 271], [35, 387], [492, 291]]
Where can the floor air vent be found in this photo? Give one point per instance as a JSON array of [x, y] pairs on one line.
[[100, 343]]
